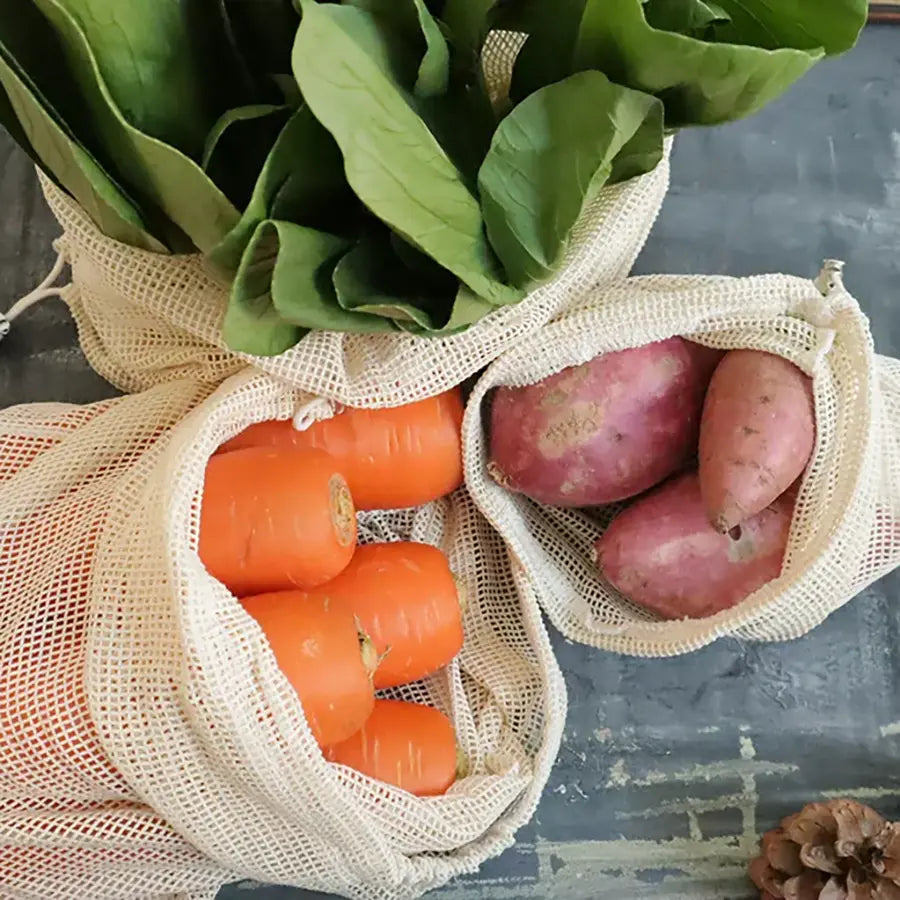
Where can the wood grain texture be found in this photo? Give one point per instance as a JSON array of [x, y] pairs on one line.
[[670, 768]]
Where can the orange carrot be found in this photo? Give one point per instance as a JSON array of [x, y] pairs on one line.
[[408, 603], [410, 746], [392, 458], [328, 663], [274, 519]]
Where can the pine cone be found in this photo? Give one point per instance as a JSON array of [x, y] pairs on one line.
[[840, 850]]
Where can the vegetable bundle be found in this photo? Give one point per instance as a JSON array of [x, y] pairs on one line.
[[623, 423], [346, 166], [278, 528]]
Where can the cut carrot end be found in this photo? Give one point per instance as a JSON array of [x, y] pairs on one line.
[[343, 513]]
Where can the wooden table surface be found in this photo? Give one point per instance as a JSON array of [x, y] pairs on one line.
[[669, 768]]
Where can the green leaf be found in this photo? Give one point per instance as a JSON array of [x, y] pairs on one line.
[[238, 145], [467, 309], [705, 68], [468, 22], [151, 51], [833, 25], [434, 69], [463, 121], [302, 180], [704, 83], [414, 23], [10, 122], [264, 33], [391, 159], [371, 277], [547, 54], [36, 126], [643, 152], [691, 17], [549, 157], [283, 288], [156, 172]]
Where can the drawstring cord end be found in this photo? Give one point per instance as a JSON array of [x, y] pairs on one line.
[[43, 291]]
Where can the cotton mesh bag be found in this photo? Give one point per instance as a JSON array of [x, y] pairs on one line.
[[845, 531], [146, 318], [149, 744]]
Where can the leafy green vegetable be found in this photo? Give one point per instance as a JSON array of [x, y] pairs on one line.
[[238, 145], [434, 69], [550, 156], [372, 277], [414, 23], [343, 162], [264, 33], [467, 309], [47, 138], [706, 82], [302, 180], [397, 169], [284, 284], [147, 52], [547, 54], [708, 62], [469, 22], [691, 17], [154, 170], [832, 25]]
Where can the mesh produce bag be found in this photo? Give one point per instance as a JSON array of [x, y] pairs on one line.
[[846, 527], [145, 318], [149, 744]]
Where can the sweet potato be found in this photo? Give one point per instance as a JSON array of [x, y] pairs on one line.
[[604, 430], [756, 434], [663, 554]]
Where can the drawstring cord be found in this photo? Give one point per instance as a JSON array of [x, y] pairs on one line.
[[42, 292]]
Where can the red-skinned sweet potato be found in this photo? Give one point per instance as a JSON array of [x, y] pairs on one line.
[[605, 430], [756, 434], [663, 554]]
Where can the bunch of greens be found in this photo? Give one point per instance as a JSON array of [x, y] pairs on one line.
[[343, 163]]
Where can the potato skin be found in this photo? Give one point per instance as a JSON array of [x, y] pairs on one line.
[[662, 553], [605, 430], [756, 434]]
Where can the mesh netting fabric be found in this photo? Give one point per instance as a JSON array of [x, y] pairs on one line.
[[144, 318], [846, 528], [150, 745]]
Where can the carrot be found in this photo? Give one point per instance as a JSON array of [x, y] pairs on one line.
[[274, 519], [408, 603], [328, 663], [392, 458], [410, 746]]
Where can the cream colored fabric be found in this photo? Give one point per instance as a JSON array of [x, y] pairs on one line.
[[149, 744], [144, 319], [846, 529]]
